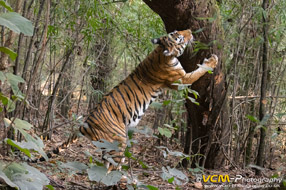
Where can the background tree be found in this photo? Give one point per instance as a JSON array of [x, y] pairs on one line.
[[263, 88], [208, 130]]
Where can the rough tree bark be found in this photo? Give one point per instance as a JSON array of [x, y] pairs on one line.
[[263, 89], [208, 129], [101, 72]]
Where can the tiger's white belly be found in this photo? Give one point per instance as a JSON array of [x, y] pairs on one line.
[[133, 122], [137, 117]]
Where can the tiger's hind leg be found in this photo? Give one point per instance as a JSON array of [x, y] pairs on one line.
[[119, 159], [114, 159]]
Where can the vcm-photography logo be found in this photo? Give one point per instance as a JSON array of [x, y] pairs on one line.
[[237, 179]]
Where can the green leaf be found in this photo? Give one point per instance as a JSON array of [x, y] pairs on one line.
[[275, 175], [265, 119], [9, 24], [193, 100], [150, 187], [195, 93], [6, 5], [156, 105], [127, 153], [166, 102], [171, 180], [75, 166], [144, 166], [17, 23], [35, 143], [146, 131], [50, 187], [200, 46], [99, 174], [130, 133], [183, 86], [25, 176], [7, 122], [14, 80], [10, 106], [179, 176], [13, 55], [106, 145], [7, 180], [125, 167], [16, 145], [252, 118], [13, 168], [22, 124], [195, 170], [173, 153], [265, 14], [4, 99], [32, 143], [169, 126], [165, 132], [284, 183]]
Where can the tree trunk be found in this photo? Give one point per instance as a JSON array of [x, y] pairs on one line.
[[100, 73], [49, 113], [248, 150], [10, 40], [208, 129], [263, 101], [64, 96]]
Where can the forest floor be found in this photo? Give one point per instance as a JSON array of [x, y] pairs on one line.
[[80, 151], [146, 149]]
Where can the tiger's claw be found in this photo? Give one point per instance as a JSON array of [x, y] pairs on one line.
[[212, 61]]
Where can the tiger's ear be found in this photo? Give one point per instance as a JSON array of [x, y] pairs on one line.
[[156, 41]]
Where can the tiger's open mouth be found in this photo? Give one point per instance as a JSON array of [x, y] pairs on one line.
[[174, 43]]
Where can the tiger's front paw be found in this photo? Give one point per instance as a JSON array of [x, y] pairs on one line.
[[211, 62]]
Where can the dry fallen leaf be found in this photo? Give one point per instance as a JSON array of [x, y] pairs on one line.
[[198, 185]]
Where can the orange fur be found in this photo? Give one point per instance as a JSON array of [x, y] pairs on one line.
[[126, 103]]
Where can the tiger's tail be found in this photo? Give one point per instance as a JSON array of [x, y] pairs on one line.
[[72, 138]]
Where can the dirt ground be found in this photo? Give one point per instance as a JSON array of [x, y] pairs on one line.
[[146, 150]]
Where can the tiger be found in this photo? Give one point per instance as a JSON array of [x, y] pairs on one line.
[[123, 107]]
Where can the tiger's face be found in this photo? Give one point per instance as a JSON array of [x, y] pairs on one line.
[[175, 42]]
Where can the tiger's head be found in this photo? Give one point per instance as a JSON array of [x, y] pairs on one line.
[[175, 42]]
